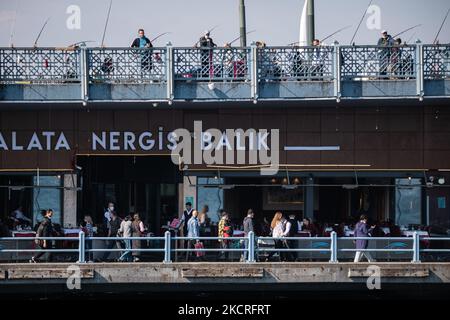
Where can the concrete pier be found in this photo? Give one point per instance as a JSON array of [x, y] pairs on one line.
[[210, 274]]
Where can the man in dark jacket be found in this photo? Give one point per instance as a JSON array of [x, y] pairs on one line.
[[114, 226], [386, 42], [44, 230], [206, 44], [146, 55], [362, 230], [248, 227]]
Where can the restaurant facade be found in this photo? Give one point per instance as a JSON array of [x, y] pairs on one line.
[[331, 162]]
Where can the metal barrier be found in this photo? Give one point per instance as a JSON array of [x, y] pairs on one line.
[[436, 62], [377, 63], [39, 65], [127, 65], [147, 65], [211, 64], [328, 246], [296, 63]]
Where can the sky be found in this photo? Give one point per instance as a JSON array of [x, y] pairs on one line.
[[276, 21]]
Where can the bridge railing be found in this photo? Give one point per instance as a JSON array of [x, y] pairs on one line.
[[250, 247], [127, 65], [378, 63], [296, 63], [39, 65], [211, 64], [251, 64], [436, 62]]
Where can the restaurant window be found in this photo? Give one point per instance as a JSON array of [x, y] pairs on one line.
[[211, 196], [48, 196], [408, 202]]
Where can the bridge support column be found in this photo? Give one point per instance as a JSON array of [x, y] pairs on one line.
[[70, 200]]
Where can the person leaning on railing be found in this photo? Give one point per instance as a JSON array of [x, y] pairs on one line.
[[387, 42], [206, 45], [318, 58], [146, 56]]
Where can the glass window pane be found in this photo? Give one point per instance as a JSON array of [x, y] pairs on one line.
[[213, 197], [408, 202], [47, 198]]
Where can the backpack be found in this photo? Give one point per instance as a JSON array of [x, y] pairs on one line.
[[40, 233]]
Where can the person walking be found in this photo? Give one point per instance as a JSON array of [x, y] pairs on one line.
[[225, 231], [44, 230], [278, 227], [248, 227], [89, 233], [125, 231], [138, 230], [114, 226], [362, 230], [292, 228], [193, 232]]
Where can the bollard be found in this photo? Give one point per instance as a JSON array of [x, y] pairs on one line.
[[416, 248], [333, 247], [81, 248], [167, 239], [251, 247]]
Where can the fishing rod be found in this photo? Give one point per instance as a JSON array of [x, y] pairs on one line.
[[398, 34], [340, 30], [79, 42], [40, 32], [230, 43], [13, 26], [442, 25], [159, 36], [360, 22], [209, 31], [106, 23], [410, 38]]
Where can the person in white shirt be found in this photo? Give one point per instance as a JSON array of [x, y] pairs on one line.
[[108, 212], [278, 227], [126, 230], [19, 217]]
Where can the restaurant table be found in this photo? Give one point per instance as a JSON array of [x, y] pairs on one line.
[[421, 233]]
